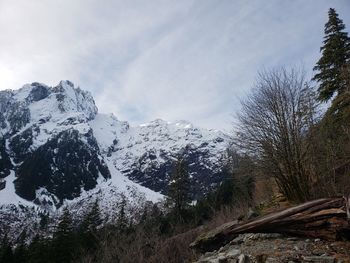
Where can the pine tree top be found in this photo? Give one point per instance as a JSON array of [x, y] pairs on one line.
[[64, 226], [335, 57], [334, 24]]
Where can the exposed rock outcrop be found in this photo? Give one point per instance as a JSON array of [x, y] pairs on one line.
[[277, 248]]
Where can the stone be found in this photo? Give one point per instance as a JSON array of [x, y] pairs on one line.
[[243, 259], [223, 249], [261, 258], [252, 214], [211, 238], [317, 252], [222, 259], [2, 184], [321, 259], [209, 254], [238, 240], [233, 253], [38, 92]]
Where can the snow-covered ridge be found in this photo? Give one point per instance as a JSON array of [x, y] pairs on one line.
[[48, 101], [125, 144], [61, 125], [49, 110]]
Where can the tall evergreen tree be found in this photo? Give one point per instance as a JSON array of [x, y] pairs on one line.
[[93, 218], [88, 228], [63, 239], [179, 190], [20, 253], [122, 221], [44, 220], [39, 250], [335, 58], [6, 254]]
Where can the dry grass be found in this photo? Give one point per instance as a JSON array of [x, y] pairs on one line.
[[227, 214], [153, 249], [265, 189], [175, 249], [144, 245]]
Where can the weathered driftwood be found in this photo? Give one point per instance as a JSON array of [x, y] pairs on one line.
[[347, 204], [326, 218]]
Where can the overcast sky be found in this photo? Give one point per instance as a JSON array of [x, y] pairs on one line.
[[149, 59]]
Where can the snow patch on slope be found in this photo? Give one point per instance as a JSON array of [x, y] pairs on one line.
[[8, 195]]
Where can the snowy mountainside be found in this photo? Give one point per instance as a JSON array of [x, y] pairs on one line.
[[55, 148], [48, 143], [146, 153]]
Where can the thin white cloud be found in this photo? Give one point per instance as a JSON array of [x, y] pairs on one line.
[[143, 60]]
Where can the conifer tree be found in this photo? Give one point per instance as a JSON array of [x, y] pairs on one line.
[[335, 58], [179, 190], [93, 218], [39, 251], [122, 221], [44, 220], [63, 242], [20, 253], [88, 228], [6, 254]]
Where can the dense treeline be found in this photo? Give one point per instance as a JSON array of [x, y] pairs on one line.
[[124, 241], [283, 136], [61, 247]]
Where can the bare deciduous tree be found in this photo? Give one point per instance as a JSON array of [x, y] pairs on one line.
[[273, 125]]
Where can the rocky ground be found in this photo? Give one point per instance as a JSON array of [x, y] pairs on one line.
[[277, 248]]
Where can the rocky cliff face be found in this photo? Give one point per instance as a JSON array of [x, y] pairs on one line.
[[47, 142], [56, 147]]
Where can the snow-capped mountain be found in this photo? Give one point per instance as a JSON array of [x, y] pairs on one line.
[[55, 147]]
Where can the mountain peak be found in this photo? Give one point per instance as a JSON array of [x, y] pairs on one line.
[[181, 124], [184, 124], [37, 102], [156, 122], [56, 146], [74, 99]]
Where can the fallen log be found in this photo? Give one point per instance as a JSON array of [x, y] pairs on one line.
[[347, 203], [326, 218]]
